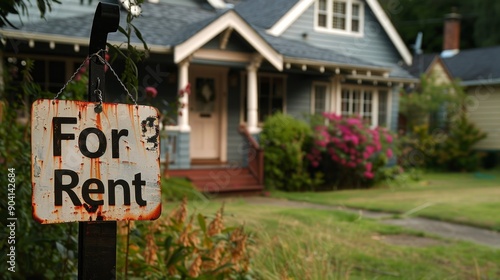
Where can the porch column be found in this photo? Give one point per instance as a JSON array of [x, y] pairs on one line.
[[252, 98], [183, 118]]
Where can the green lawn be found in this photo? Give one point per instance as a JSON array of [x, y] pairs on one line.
[[459, 197], [324, 244], [290, 243]]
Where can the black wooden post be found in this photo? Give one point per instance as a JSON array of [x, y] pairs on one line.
[[97, 239]]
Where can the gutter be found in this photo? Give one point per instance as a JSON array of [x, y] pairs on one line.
[[320, 63], [65, 40], [481, 82]]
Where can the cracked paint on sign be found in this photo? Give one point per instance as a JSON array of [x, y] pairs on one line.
[[89, 166]]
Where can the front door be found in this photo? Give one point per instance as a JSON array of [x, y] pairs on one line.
[[205, 115]]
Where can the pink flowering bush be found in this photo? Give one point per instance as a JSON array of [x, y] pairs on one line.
[[348, 151]]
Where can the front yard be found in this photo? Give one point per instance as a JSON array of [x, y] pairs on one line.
[[468, 198], [292, 243]]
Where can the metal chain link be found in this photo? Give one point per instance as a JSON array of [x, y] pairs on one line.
[[104, 61]]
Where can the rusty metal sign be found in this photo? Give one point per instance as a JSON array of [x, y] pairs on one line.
[[89, 166]]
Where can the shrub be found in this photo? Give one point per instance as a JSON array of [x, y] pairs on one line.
[[176, 188], [283, 139], [455, 153], [348, 151], [450, 150], [187, 247]]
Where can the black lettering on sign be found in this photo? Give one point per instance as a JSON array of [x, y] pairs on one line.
[[58, 136], [82, 142], [86, 191], [115, 137], [138, 194], [59, 187], [126, 191]]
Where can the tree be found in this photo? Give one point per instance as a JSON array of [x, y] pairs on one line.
[[478, 22], [20, 7]]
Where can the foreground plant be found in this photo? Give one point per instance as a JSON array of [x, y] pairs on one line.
[[186, 247]]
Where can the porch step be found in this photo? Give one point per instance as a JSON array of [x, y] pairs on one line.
[[220, 180]]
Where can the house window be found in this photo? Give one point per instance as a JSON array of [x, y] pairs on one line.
[[339, 16], [382, 108], [320, 98], [357, 102], [270, 94]]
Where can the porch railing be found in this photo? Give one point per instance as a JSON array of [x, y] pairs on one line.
[[255, 156]]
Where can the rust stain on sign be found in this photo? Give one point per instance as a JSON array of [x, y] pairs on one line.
[[89, 166]]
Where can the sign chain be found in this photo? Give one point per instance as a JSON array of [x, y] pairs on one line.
[[98, 91]]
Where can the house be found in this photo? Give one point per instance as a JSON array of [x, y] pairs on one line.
[[242, 61], [478, 70], [432, 67]]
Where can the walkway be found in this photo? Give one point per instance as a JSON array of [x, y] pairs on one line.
[[439, 228]]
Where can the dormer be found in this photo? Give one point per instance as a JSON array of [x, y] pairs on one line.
[[344, 17]]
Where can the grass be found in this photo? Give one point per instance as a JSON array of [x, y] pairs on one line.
[[466, 198], [325, 244], [312, 244]]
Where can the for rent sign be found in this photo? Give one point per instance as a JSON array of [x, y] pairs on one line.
[[89, 166]]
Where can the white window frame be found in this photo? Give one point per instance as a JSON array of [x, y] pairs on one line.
[[328, 94], [374, 102], [348, 17]]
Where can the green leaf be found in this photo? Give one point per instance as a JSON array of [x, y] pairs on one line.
[[178, 255], [202, 223], [139, 35], [121, 30]]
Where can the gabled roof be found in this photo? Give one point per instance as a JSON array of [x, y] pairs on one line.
[[283, 13], [424, 63], [480, 66], [264, 17], [181, 30], [206, 30]]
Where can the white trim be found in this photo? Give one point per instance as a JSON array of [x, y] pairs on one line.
[[331, 65], [282, 24], [229, 20], [391, 31], [244, 93], [374, 100], [348, 18], [67, 40], [223, 55], [290, 17]]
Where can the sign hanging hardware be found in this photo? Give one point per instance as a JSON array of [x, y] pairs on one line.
[[103, 61], [98, 93]]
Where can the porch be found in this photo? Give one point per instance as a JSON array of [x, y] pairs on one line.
[[217, 177]]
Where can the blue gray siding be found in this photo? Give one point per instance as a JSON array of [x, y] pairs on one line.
[[374, 46], [176, 143], [183, 156], [298, 97], [394, 108]]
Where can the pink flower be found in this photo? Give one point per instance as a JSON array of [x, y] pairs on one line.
[[354, 121], [388, 137], [368, 175], [315, 163], [368, 166], [151, 92], [332, 116], [389, 153]]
